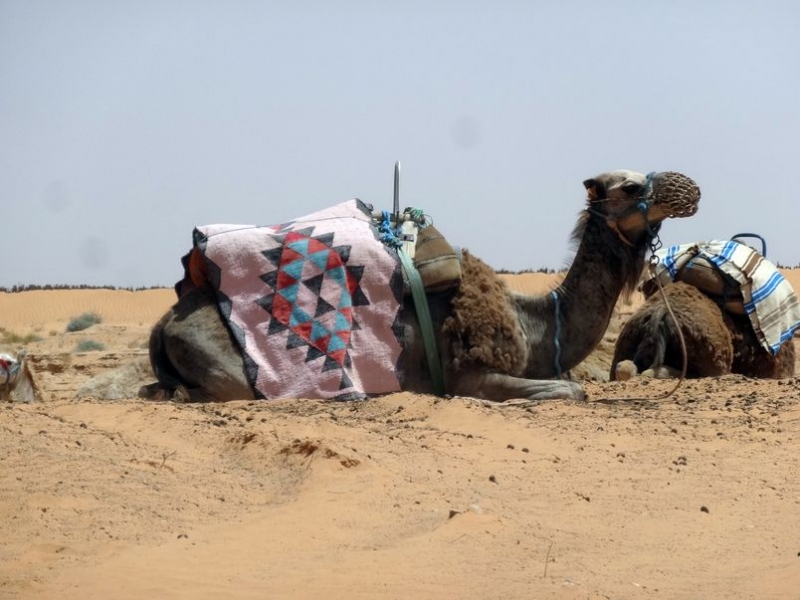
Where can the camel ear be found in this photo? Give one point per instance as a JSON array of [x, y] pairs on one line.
[[595, 189]]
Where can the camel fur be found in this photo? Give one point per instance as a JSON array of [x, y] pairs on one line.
[[482, 327], [751, 358], [718, 342], [650, 338]]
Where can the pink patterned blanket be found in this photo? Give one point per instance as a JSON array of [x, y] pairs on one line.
[[314, 303]]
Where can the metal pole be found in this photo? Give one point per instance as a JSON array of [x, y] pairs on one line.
[[397, 194]]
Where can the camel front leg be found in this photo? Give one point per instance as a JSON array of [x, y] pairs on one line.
[[499, 388]]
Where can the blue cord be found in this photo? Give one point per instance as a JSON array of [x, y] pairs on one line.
[[389, 235], [557, 336], [644, 203]]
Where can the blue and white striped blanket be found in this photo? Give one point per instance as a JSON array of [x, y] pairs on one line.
[[769, 299]]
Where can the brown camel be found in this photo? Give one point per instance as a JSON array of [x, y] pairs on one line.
[[650, 338], [717, 341], [493, 343]]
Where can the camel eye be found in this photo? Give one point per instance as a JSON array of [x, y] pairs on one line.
[[631, 188]]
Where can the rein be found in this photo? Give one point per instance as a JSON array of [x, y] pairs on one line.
[[653, 265]]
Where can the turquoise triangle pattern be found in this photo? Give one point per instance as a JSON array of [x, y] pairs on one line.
[[337, 275], [299, 246], [298, 316], [318, 330], [294, 269], [320, 259], [336, 343], [290, 292], [329, 284], [342, 323]]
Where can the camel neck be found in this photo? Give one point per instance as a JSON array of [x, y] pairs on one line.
[[564, 326]]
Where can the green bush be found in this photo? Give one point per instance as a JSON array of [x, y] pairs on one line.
[[84, 321], [11, 338], [89, 345]]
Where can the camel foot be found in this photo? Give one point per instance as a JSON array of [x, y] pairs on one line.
[[155, 391], [625, 369], [662, 372]]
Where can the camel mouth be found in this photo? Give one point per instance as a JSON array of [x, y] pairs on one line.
[[637, 204], [675, 194]]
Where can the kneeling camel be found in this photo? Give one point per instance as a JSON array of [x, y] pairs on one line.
[[493, 343]]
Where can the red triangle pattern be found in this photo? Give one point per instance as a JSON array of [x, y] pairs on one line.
[[282, 308]]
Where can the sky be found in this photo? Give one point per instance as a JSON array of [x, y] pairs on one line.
[[123, 125]]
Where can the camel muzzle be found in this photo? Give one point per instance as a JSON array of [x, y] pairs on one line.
[[674, 194], [667, 194]]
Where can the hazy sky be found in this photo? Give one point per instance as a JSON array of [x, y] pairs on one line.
[[125, 124]]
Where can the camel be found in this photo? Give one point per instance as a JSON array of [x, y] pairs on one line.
[[718, 341], [649, 342], [493, 343], [17, 379]]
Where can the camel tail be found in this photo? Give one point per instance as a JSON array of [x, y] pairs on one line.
[[659, 333]]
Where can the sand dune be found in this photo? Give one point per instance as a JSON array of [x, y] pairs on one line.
[[405, 496]]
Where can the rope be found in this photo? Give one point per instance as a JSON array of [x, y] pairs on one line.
[[388, 233], [557, 335], [653, 264], [417, 215]]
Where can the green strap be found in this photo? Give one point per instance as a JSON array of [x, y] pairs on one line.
[[425, 323]]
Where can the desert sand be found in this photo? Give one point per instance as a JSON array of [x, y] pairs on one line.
[[628, 495]]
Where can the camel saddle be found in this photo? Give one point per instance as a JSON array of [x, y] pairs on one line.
[[740, 279], [438, 263], [707, 277]]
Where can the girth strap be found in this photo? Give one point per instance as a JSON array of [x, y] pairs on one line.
[[425, 322]]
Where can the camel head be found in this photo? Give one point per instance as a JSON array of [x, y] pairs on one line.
[[634, 205]]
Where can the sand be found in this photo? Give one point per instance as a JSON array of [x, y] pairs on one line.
[[405, 496]]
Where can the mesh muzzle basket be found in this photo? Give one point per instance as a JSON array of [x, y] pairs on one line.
[[676, 193]]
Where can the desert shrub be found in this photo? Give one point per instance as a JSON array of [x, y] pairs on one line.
[[89, 345], [84, 321], [11, 338]]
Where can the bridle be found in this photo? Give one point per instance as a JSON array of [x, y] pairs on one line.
[[643, 203]]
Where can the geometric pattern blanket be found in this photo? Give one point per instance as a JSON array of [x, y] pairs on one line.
[[313, 303], [769, 300]]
